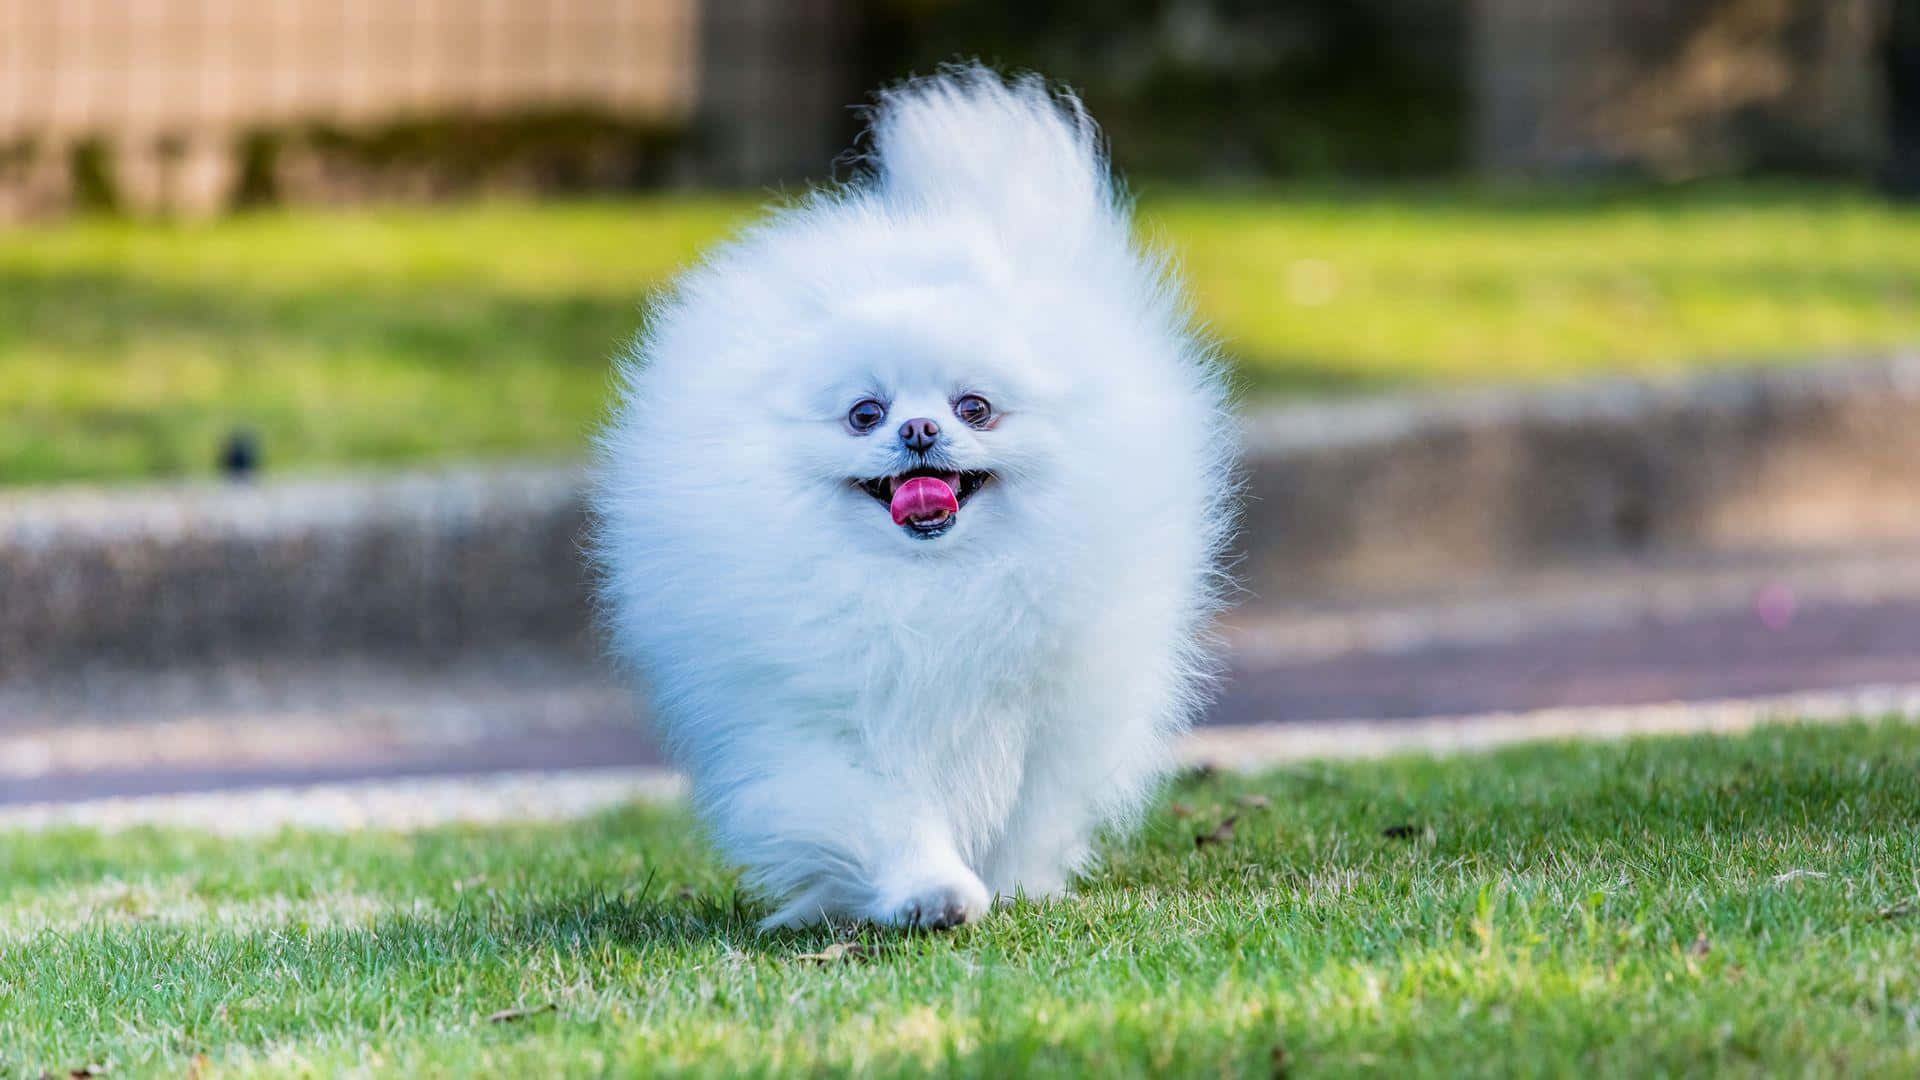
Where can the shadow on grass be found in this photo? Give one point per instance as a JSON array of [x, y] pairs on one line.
[[730, 921]]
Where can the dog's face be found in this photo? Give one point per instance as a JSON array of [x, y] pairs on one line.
[[922, 481], [919, 418]]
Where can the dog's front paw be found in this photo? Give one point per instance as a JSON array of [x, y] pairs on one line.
[[937, 906]]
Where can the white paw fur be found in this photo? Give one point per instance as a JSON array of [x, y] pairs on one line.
[[880, 725]]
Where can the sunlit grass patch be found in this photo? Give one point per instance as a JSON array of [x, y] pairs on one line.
[[1661, 906], [389, 336]]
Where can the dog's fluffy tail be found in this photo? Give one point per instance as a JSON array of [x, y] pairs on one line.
[[1019, 153]]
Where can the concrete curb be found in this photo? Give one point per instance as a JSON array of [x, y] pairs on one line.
[[1393, 492], [427, 562], [1413, 490]]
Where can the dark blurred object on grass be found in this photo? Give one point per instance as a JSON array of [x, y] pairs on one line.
[[240, 455]]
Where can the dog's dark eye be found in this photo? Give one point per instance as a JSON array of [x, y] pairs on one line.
[[866, 415], [973, 409]]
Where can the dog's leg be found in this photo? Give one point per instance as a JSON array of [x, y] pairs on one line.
[[925, 885], [1045, 841], [1076, 777], [832, 840]]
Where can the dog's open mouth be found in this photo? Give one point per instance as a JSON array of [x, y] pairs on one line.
[[924, 501]]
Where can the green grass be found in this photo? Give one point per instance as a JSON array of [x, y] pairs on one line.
[[1747, 905], [127, 350]]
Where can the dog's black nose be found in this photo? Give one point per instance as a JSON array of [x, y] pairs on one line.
[[919, 434]]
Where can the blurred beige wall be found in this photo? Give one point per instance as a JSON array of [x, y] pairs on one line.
[[182, 77], [110, 66]]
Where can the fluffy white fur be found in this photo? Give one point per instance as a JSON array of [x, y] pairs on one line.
[[878, 725]]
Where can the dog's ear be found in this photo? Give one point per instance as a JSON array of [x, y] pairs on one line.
[[1021, 154]]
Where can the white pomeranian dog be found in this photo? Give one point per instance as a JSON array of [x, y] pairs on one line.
[[909, 519]]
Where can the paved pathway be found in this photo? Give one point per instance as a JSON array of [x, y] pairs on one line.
[[1566, 645]]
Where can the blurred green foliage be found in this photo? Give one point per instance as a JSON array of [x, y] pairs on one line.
[[1209, 88], [404, 335]]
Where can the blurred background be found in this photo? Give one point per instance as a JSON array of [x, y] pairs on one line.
[[429, 223], [269, 272], [422, 226]]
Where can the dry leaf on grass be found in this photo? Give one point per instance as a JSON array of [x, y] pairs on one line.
[[1221, 833], [837, 952], [507, 1016], [1254, 802], [1180, 810], [1701, 946]]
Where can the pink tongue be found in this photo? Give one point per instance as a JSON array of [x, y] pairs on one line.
[[923, 500]]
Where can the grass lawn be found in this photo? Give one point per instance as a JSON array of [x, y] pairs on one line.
[[406, 335], [1747, 905]]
